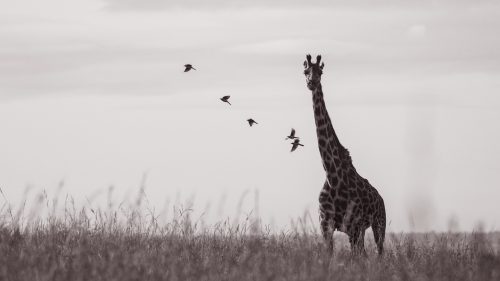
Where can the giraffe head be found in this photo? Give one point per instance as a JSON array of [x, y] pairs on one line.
[[313, 72]]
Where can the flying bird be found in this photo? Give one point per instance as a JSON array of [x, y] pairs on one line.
[[296, 144], [292, 135], [225, 99], [188, 67], [251, 122]]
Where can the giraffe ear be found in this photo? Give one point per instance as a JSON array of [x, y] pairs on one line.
[[305, 64], [322, 65]]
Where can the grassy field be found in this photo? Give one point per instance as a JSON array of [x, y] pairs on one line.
[[87, 244]]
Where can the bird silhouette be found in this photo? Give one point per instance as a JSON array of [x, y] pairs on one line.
[[188, 67], [292, 135], [251, 122], [296, 144], [225, 99]]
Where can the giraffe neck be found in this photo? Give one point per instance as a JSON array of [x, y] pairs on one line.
[[329, 146]]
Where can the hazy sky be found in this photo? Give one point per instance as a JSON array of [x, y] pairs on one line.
[[93, 93]]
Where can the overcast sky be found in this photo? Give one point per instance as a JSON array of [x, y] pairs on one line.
[[93, 93]]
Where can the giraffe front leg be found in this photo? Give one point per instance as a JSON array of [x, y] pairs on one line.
[[326, 214], [353, 240], [357, 241], [361, 243], [327, 230]]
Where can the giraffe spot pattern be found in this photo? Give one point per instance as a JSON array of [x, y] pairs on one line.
[[348, 202]]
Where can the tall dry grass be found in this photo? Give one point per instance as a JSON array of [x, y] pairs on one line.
[[129, 243]]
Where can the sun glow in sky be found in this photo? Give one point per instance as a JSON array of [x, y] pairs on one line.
[[93, 93]]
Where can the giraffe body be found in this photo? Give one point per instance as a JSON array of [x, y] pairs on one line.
[[348, 202]]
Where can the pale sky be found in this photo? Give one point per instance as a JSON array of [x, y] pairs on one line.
[[93, 93]]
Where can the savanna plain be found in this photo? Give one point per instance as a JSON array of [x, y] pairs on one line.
[[129, 243]]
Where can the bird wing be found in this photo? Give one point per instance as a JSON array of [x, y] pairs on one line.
[[294, 146], [226, 97], [188, 67], [292, 134]]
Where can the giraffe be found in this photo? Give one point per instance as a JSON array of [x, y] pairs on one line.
[[348, 202]]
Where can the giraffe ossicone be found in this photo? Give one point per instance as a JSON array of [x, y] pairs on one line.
[[348, 202]]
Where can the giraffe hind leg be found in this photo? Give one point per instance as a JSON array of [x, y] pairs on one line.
[[378, 228]]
